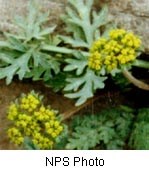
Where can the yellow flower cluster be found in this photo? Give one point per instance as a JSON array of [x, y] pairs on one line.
[[29, 103], [15, 135], [121, 47], [13, 111], [32, 119]]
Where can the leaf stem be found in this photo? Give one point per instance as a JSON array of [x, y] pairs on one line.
[[141, 64], [62, 50]]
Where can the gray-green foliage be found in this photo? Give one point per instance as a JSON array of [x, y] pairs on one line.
[[140, 135], [29, 145], [35, 53], [108, 130], [84, 85], [85, 81], [83, 22], [21, 53], [85, 26]]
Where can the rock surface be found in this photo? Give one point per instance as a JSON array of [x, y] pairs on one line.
[[11, 8], [130, 14]]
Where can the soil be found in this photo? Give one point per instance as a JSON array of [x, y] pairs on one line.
[[109, 97]]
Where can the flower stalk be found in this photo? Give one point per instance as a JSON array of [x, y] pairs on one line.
[[135, 81]]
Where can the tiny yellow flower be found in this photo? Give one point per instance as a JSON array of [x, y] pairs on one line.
[[42, 109], [53, 135], [56, 124], [49, 131]]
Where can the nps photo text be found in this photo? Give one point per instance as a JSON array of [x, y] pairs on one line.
[[74, 161]]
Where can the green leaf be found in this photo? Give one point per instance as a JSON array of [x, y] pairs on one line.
[[36, 73], [40, 59], [62, 139], [73, 42], [84, 86], [54, 65], [57, 82], [46, 61], [139, 138], [31, 27], [100, 18], [28, 144], [83, 139], [101, 131], [77, 64], [18, 66], [47, 31], [6, 58], [4, 44], [106, 133], [21, 53], [43, 66], [83, 23], [15, 43]]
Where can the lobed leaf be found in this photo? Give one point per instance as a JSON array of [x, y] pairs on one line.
[[84, 23], [84, 86], [101, 131], [18, 66], [78, 63]]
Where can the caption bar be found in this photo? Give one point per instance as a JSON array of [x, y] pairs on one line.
[[66, 163]]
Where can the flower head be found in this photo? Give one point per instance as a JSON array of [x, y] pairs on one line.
[[120, 48], [32, 119]]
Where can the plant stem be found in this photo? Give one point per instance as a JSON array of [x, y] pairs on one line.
[[62, 50], [141, 64], [135, 81]]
